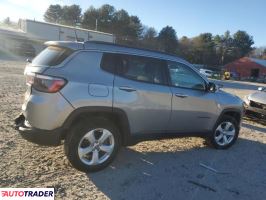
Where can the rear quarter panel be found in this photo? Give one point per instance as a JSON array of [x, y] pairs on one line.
[[88, 84]]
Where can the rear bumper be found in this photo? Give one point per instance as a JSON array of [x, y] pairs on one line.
[[37, 136]]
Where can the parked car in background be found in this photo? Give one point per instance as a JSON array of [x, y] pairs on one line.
[[255, 103], [235, 76], [206, 72], [99, 96], [262, 79]]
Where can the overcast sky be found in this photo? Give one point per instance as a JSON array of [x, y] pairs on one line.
[[188, 17]]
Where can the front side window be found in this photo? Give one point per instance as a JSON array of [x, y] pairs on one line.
[[182, 76], [52, 56], [142, 69]]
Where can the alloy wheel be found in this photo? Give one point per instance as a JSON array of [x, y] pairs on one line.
[[225, 133], [96, 146]]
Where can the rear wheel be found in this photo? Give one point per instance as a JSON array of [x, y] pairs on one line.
[[225, 133], [92, 144]]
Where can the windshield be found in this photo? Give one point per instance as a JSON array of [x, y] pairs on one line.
[[52, 56]]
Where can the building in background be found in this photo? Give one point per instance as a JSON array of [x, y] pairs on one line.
[[28, 38], [248, 68]]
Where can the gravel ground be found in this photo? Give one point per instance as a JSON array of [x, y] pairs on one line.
[[166, 169]]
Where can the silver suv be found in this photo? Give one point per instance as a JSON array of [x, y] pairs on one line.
[[98, 96]]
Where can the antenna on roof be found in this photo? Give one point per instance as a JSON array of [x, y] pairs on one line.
[[76, 34], [75, 29]]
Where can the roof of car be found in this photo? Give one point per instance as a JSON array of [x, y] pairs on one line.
[[111, 47]]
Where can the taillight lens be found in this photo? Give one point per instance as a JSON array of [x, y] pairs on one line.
[[44, 83]]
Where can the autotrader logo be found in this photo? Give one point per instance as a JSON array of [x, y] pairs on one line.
[[27, 193]]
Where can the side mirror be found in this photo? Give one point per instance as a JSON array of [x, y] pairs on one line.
[[261, 88], [212, 87], [28, 60]]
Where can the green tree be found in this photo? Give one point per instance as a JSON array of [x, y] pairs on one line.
[[185, 48], [53, 14], [149, 38], [225, 49], [149, 33], [168, 40], [105, 18], [229, 48], [71, 15], [127, 29], [204, 49], [243, 42], [121, 20], [258, 52], [135, 27], [89, 18]]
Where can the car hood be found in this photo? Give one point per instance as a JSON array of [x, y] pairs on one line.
[[227, 95], [259, 97]]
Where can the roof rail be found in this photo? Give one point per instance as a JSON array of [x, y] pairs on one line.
[[131, 47]]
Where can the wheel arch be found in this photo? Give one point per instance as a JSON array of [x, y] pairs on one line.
[[115, 115], [233, 112]]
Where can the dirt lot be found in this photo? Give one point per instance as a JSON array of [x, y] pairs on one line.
[[166, 169]]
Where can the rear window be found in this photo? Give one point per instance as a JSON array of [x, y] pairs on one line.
[[52, 56]]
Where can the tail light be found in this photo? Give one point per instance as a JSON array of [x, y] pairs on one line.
[[45, 83]]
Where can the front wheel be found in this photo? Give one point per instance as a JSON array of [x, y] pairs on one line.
[[92, 144], [225, 133]]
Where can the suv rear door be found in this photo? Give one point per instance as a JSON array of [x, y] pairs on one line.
[[141, 90], [193, 108]]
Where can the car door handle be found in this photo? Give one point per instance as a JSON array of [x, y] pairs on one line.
[[181, 95], [126, 88]]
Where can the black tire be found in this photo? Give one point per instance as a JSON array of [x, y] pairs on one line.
[[212, 141], [76, 134]]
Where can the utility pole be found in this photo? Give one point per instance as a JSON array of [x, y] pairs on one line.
[[96, 24]]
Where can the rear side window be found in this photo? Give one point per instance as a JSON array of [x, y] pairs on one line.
[[52, 56], [137, 68], [109, 62]]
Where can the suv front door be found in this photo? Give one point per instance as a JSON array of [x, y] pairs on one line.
[[141, 90], [193, 108]]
